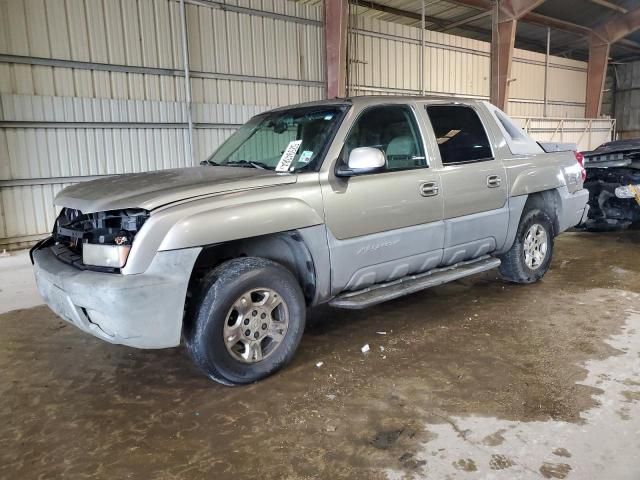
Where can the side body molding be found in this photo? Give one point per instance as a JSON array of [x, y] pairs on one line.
[[240, 221]]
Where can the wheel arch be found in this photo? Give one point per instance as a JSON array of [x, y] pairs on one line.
[[288, 249], [548, 201]]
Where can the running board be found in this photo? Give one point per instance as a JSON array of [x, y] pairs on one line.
[[382, 292]]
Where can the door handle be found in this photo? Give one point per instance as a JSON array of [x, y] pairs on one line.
[[429, 189], [494, 181]]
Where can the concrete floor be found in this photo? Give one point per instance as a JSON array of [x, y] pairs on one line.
[[476, 379], [17, 286]]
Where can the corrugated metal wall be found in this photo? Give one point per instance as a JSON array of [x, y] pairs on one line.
[[627, 99], [384, 58], [586, 133], [96, 87]]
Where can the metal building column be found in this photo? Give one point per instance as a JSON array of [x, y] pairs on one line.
[[502, 41], [187, 79], [335, 41], [596, 74], [503, 34], [600, 40]]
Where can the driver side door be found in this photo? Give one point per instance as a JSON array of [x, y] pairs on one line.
[[389, 223]]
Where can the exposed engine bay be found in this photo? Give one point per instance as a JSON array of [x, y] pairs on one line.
[[613, 181], [74, 232]]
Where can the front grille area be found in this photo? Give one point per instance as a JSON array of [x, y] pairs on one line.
[[73, 229], [66, 255]]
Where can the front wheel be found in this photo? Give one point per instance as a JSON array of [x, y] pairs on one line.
[[530, 255], [248, 322]]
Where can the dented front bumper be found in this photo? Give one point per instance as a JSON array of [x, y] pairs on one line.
[[143, 311]]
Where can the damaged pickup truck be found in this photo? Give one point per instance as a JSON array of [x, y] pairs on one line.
[[349, 202], [613, 181]]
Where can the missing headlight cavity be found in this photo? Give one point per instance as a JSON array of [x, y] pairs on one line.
[[115, 227], [74, 228]]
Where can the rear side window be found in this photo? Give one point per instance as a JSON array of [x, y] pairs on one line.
[[460, 134], [514, 132], [518, 141]]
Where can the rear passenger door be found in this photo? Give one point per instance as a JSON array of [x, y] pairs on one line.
[[473, 181]]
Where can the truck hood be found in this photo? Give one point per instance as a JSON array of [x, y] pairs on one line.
[[155, 189]]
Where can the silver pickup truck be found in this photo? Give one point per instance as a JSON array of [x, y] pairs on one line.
[[349, 202]]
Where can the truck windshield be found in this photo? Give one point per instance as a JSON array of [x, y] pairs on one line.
[[285, 140]]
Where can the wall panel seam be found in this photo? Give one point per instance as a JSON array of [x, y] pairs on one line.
[[252, 11], [108, 67]]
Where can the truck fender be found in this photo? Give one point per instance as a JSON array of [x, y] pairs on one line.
[[537, 179], [196, 224], [240, 221]]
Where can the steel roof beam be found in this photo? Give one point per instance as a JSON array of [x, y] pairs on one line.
[[600, 42], [529, 17], [464, 21], [609, 5], [401, 13], [446, 23]]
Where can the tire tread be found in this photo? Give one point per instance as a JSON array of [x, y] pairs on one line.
[[513, 267], [207, 292]]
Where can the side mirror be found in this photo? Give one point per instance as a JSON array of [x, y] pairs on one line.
[[362, 160]]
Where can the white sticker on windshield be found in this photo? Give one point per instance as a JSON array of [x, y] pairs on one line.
[[305, 156], [287, 157]]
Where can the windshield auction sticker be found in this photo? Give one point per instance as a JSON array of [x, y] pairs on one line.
[[305, 156], [287, 157]]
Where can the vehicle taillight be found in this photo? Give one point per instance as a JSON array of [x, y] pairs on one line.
[[580, 159]]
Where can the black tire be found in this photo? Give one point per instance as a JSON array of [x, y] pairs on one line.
[[514, 267], [218, 292]]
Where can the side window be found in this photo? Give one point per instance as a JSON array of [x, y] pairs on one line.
[[518, 141], [392, 129], [460, 134], [514, 132]]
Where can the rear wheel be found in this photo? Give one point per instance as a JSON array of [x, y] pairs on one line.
[[248, 321], [530, 255]]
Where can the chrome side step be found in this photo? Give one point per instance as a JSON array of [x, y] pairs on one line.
[[382, 292]]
